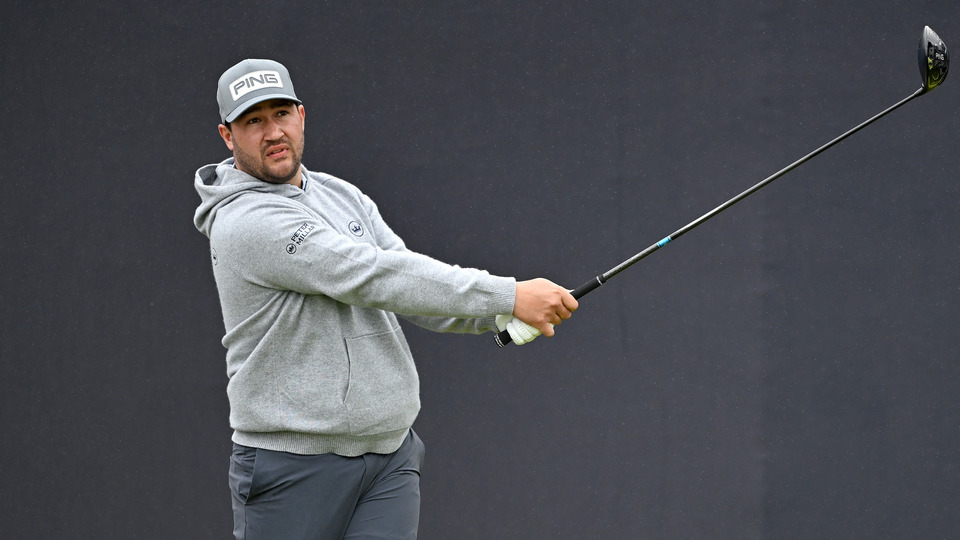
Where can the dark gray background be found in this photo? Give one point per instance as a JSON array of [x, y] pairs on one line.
[[787, 370]]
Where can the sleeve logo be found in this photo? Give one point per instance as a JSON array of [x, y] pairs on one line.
[[298, 237]]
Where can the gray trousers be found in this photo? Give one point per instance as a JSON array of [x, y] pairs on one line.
[[278, 495]]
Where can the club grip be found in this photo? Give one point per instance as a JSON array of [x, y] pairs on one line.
[[582, 290], [503, 337]]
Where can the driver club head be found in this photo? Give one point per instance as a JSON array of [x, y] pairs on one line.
[[934, 59]]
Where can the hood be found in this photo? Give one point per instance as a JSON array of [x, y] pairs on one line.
[[220, 183]]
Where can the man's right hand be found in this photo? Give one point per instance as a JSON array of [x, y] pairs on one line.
[[543, 304]]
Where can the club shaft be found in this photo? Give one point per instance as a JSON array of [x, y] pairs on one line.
[[693, 224], [503, 338]]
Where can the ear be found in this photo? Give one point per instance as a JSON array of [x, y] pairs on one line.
[[227, 136]]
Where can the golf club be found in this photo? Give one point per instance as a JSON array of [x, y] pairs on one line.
[[934, 62]]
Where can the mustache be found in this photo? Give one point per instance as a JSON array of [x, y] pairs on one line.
[[284, 141]]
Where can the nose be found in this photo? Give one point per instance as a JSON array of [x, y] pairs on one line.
[[272, 131]]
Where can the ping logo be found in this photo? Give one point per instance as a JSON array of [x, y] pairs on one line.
[[255, 80], [355, 228]]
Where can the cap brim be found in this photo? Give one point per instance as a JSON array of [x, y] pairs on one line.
[[242, 108]]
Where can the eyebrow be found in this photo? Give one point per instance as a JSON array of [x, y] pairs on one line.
[[278, 104]]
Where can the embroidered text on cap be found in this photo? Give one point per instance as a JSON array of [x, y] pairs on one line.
[[255, 81]]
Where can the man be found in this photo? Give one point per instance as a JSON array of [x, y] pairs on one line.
[[322, 386]]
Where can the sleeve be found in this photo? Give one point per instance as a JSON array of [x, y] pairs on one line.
[[288, 247], [458, 325], [476, 325]]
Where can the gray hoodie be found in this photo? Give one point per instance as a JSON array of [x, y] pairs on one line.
[[310, 281]]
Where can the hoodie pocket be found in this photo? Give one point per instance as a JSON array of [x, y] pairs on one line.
[[383, 393]]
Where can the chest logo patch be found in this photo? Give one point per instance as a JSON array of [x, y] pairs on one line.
[[355, 228]]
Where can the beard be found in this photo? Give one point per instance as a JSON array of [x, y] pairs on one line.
[[281, 173]]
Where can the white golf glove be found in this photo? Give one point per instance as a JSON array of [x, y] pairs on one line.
[[520, 332]]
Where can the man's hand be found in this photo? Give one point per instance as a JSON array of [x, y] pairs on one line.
[[543, 304]]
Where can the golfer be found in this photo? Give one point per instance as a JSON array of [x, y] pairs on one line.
[[322, 386]]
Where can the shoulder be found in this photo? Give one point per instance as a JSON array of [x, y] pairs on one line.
[[339, 188], [254, 217], [331, 182], [256, 204]]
